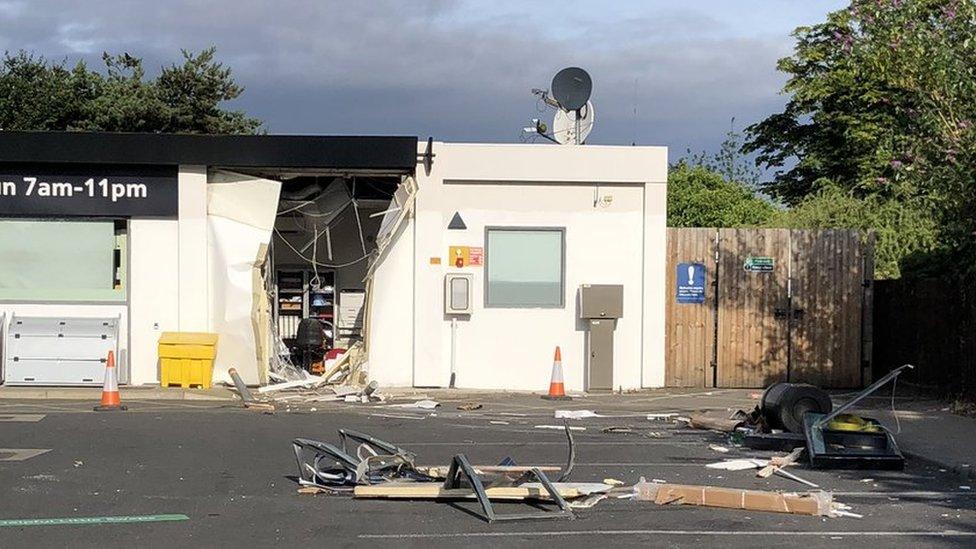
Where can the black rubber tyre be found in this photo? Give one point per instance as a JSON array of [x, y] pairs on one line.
[[784, 404]]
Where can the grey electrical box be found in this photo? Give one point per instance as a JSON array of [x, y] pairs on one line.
[[601, 301], [457, 293], [600, 305]]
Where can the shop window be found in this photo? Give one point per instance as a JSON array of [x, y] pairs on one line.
[[63, 260], [525, 267]]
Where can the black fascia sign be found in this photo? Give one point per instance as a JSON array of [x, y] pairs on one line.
[[88, 190]]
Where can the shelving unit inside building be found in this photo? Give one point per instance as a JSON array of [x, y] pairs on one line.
[[299, 294]]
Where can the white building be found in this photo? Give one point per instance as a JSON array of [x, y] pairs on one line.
[[171, 233]]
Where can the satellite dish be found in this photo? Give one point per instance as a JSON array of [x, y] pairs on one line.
[[571, 87], [573, 127]]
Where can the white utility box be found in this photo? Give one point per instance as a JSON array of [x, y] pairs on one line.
[[458, 293]]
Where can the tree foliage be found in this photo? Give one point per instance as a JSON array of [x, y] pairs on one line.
[[880, 121], [37, 94], [904, 228], [700, 197], [716, 190]]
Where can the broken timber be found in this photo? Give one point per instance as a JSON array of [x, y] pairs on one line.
[[436, 490]]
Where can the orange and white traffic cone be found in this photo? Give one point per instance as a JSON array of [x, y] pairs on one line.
[[111, 400], [557, 389]]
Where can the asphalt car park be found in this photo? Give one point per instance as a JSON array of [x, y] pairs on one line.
[[231, 472]]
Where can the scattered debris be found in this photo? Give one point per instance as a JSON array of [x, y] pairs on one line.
[[716, 421], [560, 427], [464, 483], [719, 449], [420, 404], [397, 416], [246, 397], [738, 464], [588, 501], [630, 430], [661, 417], [439, 472], [469, 406], [791, 476], [309, 381], [575, 414], [780, 462], [436, 490], [613, 482]]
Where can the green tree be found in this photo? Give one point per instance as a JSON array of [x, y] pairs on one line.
[[903, 228], [700, 197], [716, 190], [37, 94], [882, 103]]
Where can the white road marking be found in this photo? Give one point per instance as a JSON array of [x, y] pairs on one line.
[[21, 454], [563, 533], [30, 418]]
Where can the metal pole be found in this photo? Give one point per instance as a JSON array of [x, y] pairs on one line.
[[453, 347], [863, 394]]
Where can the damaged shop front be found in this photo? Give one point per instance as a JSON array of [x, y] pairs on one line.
[[406, 263], [110, 240]]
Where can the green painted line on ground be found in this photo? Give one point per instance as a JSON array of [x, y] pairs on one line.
[[123, 519]]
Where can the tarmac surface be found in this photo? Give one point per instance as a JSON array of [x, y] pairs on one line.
[[230, 471]]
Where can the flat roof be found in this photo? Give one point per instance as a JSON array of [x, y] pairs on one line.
[[374, 153]]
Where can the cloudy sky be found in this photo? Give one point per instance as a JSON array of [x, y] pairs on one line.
[[665, 72]]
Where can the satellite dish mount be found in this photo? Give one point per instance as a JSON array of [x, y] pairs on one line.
[[569, 94]]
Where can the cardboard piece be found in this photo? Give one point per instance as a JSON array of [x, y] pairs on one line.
[[814, 503]]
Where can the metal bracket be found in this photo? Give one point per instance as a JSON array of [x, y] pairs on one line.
[[376, 444], [427, 157], [462, 475], [340, 468]]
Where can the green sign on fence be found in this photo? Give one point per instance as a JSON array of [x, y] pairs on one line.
[[759, 264]]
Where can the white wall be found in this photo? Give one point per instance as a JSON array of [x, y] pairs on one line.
[[391, 328], [154, 289], [194, 273], [168, 275], [611, 201]]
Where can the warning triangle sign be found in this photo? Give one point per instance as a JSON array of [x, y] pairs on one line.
[[456, 222]]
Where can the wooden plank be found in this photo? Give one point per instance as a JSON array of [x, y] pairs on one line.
[[440, 471], [436, 490], [689, 332], [751, 336]]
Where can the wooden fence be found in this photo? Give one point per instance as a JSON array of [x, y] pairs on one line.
[[776, 305]]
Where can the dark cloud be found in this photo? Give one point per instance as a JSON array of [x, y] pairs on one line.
[[674, 77]]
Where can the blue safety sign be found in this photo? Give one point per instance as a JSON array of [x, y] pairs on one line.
[[690, 281]]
